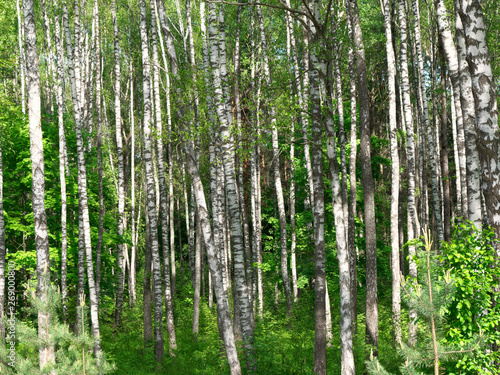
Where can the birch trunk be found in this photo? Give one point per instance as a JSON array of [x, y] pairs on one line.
[[151, 196], [99, 153], [213, 262], [318, 211], [132, 277], [444, 152], [367, 180], [46, 352], [462, 91], [147, 292], [277, 173], [82, 183], [62, 161], [430, 137], [484, 90], [218, 68], [22, 64], [197, 281], [255, 200], [293, 234], [346, 342], [121, 177], [352, 180], [391, 66], [164, 208], [410, 158]]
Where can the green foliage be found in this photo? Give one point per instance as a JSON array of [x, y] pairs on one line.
[[73, 354], [431, 294], [473, 262]]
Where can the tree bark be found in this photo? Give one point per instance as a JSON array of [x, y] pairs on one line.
[[164, 206], [121, 176], [391, 66], [217, 64], [46, 351], [367, 181], [82, 182], [277, 174], [430, 137], [151, 195], [485, 98]]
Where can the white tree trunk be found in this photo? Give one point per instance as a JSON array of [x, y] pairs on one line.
[[46, 352], [151, 196], [391, 66]]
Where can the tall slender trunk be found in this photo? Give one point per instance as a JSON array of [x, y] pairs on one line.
[[367, 180], [227, 148], [444, 152], [62, 161], [121, 177], [213, 262], [318, 210], [410, 158], [46, 351], [151, 195], [132, 279], [197, 281], [277, 173], [391, 66], [164, 210], [352, 180], [242, 159], [293, 234], [22, 64], [430, 137], [147, 292], [346, 342], [255, 199], [99, 153], [82, 181]]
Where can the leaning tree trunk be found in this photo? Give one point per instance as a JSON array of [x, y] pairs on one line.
[[46, 351], [151, 196], [121, 176], [213, 262], [367, 180], [391, 66]]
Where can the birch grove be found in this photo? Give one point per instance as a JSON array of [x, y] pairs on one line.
[[231, 187]]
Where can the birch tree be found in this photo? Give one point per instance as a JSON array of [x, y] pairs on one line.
[[151, 194], [485, 98], [121, 176], [46, 351], [367, 179], [391, 67]]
